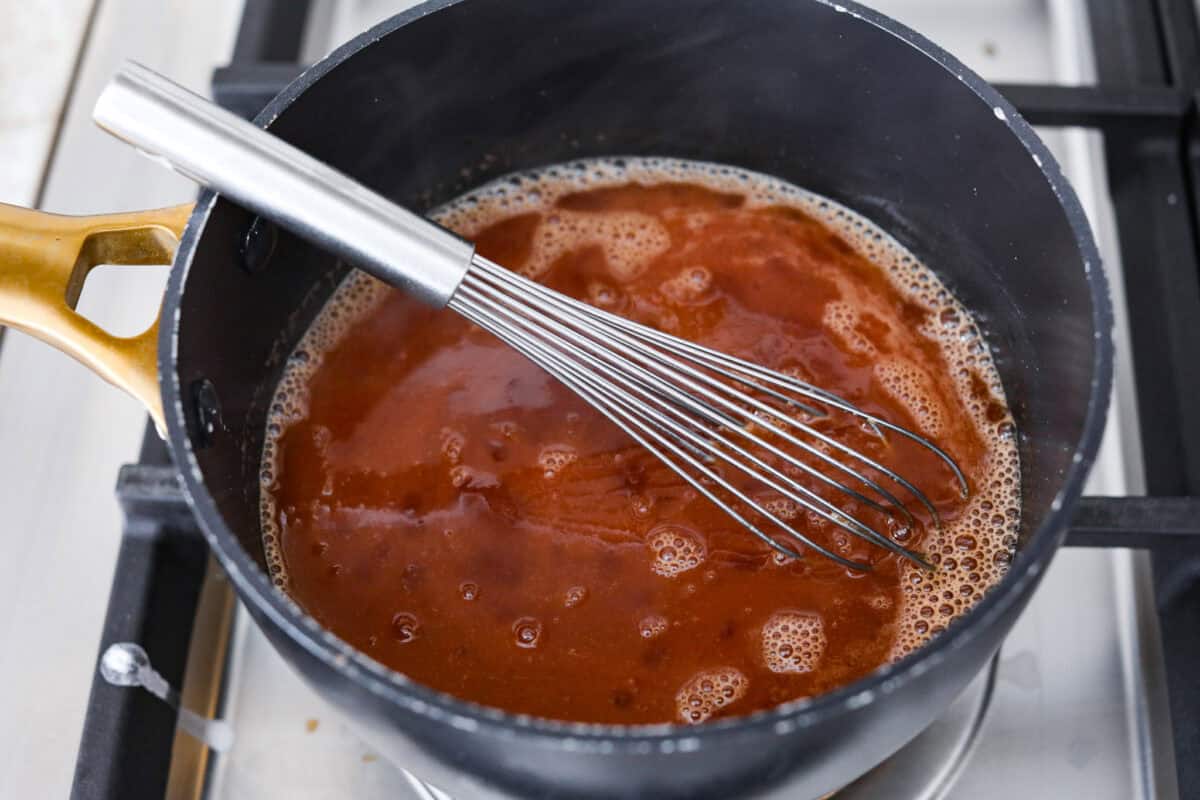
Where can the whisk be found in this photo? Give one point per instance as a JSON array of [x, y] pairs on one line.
[[707, 415]]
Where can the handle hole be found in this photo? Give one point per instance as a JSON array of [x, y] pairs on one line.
[[123, 301]]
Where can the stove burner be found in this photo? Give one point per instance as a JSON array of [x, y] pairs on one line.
[[927, 766]]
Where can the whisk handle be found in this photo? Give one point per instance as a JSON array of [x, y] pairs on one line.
[[197, 138]]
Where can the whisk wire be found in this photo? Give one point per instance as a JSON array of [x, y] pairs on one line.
[[558, 309], [579, 381], [713, 359], [662, 392], [551, 359]]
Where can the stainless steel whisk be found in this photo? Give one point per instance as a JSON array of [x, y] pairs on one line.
[[700, 411]]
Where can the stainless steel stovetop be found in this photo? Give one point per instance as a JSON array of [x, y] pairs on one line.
[[1074, 705]]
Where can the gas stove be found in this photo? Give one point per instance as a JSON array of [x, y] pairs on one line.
[[1092, 694]]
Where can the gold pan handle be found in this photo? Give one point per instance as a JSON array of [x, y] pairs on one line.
[[44, 260]]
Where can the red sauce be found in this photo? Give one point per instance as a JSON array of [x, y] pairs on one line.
[[449, 509]]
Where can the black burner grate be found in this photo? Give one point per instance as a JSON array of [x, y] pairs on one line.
[[1145, 103]]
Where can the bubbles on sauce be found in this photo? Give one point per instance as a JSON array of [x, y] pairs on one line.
[[707, 692], [641, 505], [357, 296], [468, 590], [793, 641], [629, 241], [574, 596], [604, 295], [690, 285], [973, 554], [909, 385], [452, 445], [784, 509], [527, 632], [674, 550], [553, 459], [464, 477], [652, 625], [405, 627], [842, 319]]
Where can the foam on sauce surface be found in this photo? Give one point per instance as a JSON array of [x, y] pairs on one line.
[[448, 508]]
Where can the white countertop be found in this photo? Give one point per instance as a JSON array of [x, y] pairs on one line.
[[64, 432]]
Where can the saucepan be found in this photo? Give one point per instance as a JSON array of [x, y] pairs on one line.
[[831, 97]]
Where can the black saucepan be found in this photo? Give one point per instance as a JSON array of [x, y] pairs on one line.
[[834, 98]]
